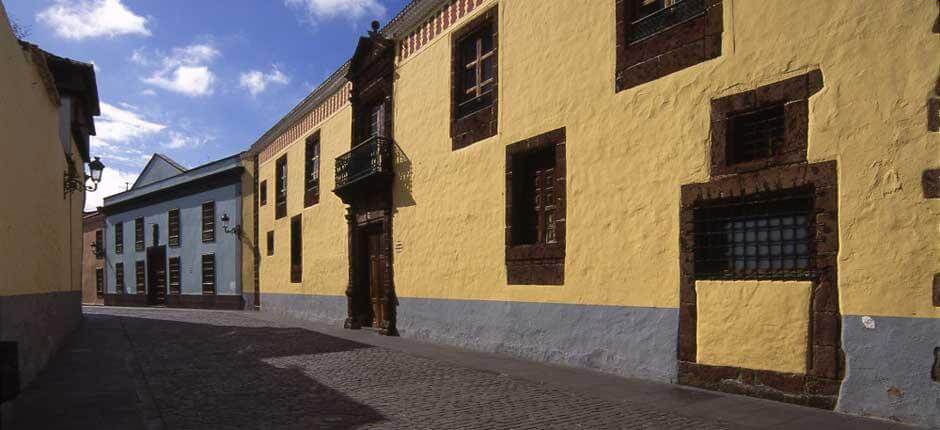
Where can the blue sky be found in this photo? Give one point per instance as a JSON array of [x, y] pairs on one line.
[[197, 80]]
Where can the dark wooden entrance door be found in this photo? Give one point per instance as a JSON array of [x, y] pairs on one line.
[[376, 277], [156, 275]]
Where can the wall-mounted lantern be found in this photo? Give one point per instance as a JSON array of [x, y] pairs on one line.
[[225, 220], [73, 183]]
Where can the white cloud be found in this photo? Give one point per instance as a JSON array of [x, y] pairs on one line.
[[180, 141], [113, 181], [84, 19], [256, 81], [185, 71], [148, 92], [317, 10], [116, 125]]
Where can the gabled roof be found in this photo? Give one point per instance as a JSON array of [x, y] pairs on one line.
[[171, 187], [158, 168]]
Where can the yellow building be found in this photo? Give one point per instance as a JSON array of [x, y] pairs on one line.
[[729, 194], [46, 109]]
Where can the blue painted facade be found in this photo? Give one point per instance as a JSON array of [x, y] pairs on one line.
[[217, 182]]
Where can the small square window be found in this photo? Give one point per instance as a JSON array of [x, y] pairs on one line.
[[756, 134]]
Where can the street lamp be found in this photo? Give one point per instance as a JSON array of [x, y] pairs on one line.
[[226, 228], [73, 183]]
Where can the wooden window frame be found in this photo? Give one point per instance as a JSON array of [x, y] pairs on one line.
[[263, 193], [119, 286], [119, 238], [536, 263], [296, 249], [208, 221], [666, 51], [99, 282], [482, 123], [280, 187], [270, 242], [174, 283], [140, 276], [312, 170], [173, 228], [792, 94], [139, 244], [209, 285]]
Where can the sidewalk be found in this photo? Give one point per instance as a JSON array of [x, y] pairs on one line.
[[131, 368]]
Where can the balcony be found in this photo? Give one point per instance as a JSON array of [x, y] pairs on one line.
[[366, 165]]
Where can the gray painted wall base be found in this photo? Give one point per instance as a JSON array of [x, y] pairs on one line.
[[888, 369], [38, 323], [636, 342]]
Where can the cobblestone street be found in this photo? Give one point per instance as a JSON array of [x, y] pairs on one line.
[[184, 369]]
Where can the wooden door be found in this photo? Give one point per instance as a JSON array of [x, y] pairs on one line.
[[156, 275], [376, 278]]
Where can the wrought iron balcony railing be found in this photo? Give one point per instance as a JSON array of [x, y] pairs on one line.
[[669, 16], [374, 156]]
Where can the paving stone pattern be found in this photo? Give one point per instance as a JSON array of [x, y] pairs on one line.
[[229, 370]]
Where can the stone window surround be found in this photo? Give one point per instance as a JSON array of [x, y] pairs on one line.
[[483, 123], [668, 51], [538, 264]]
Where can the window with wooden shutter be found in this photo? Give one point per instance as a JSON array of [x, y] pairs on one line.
[[271, 242], [119, 238], [263, 193], [173, 227], [119, 278], [140, 272], [99, 281], [280, 185], [312, 170], [535, 210], [208, 274], [175, 275], [474, 77], [139, 234], [296, 249], [208, 221], [99, 244]]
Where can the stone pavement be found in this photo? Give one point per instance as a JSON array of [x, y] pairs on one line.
[[132, 368]]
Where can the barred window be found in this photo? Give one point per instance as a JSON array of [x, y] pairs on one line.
[[280, 185], [654, 16], [755, 134], [271, 242], [119, 278], [208, 274], [141, 277], [312, 171], [99, 281], [173, 225], [208, 221], [263, 193], [139, 234], [174, 269], [765, 236], [119, 238]]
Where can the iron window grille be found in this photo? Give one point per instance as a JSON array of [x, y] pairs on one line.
[[765, 236], [296, 249], [173, 227], [119, 238], [756, 134], [174, 269], [312, 171], [477, 76], [140, 272], [271, 242], [119, 278], [280, 188], [208, 222], [208, 274], [263, 193], [655, 16], [139, 234], [99, 281]]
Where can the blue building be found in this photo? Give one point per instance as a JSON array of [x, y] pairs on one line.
[[174, 238]]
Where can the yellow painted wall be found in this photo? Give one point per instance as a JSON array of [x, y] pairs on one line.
[[754, 325], [41, 231], [247, 235], [324, 224], [628, 153]]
